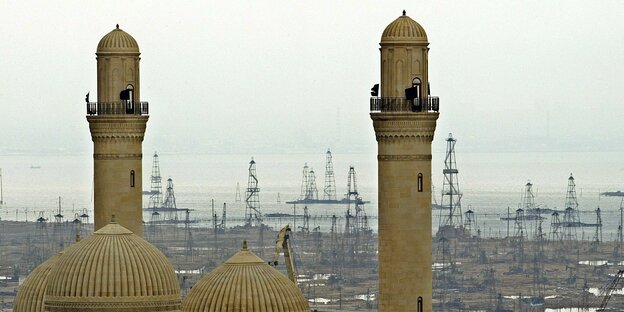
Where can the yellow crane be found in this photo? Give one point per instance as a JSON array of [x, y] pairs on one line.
[[283, 244]]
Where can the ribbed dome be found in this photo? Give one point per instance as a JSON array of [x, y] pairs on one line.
[[117, 41], [245, 283], [404, 30], [113, 269], [30, 295]]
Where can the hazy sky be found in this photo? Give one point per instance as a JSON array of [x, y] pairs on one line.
[[262, 76]]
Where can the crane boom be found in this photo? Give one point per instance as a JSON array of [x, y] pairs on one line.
[[283, 244], [609, 290]]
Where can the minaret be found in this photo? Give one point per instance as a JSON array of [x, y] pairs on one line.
[[404, 118], [117, 122]]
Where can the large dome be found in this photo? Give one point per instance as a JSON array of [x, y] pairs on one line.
[[404, 30], [117, 41], [245, 283], [113, 269], [30, 295]]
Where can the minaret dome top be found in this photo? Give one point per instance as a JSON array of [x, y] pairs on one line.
[[117, 41], [404, 30]]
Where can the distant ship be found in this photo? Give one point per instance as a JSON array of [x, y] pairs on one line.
[[328, 201], [35, 167], [617, 193]]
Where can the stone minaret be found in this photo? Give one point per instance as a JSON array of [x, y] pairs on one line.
[[117, 122], [404, 117]]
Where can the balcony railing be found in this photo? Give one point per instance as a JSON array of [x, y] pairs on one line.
[[117, 108], [396, 104]]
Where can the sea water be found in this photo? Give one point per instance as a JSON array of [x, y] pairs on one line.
[[491, 184]]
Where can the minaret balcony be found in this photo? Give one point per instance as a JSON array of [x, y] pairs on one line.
[[400, 104], [117, 108]]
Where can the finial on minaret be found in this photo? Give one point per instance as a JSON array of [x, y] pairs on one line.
[[403, 15], [245, 245], [117, 26], [77, 237]]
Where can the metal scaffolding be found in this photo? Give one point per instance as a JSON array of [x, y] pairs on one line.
[[155, 199], [253, 216], [329, 191]]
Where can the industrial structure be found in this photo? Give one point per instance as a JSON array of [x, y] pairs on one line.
[[155, 192], [329, 191], [253, 216], [404, 118]]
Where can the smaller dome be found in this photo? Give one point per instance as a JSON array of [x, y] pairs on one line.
[[30, 295], [404, 30], [245, 283], [117, 41], [112, 269]]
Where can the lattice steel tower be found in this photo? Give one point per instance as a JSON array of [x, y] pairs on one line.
[[155, 199], [169, 205], [571, 216], [451, 196], [253, 216], [305, 174], [311, 190], [329, 192]]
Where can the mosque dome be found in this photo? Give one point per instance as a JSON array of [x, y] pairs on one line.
[[117, 41], [404, 30], [30, 295], [245, 283], [113, 269]]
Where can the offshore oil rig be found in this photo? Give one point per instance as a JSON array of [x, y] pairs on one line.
[[309, 190]]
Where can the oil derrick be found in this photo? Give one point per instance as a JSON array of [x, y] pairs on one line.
[[154, 230], [58, 231], [555, 223], [357, 231], [335, 247], [329, 191], [252, 199], [528, 198], [311, 190], [77, 227], [188, 237], [571, 218], [238, 193], [304, 182], [169, 204], [470, 222], [597, 239], [489, 283], [253, 216], [539, 280], [155, 199], [470, 227], [451, 224], [84, 216], [41, 239], [305, 229], [317, 237], [518, 242]]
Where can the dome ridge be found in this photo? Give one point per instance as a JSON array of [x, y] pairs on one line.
[[245, 283], [113, 268], [404, 30], [117, 41], [30, 296]]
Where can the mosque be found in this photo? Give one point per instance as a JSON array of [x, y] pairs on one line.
[[115, 269]]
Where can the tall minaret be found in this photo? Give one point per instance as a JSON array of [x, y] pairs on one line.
[[404, 118], [117, 122]]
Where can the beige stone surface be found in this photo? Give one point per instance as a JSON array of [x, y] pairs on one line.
[[245, 283], [30, 296], [118, 137], [404, 157], [112, 270]]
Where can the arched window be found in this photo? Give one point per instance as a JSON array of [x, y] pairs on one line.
[[131, 178], [420, 182], [420, 304]]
